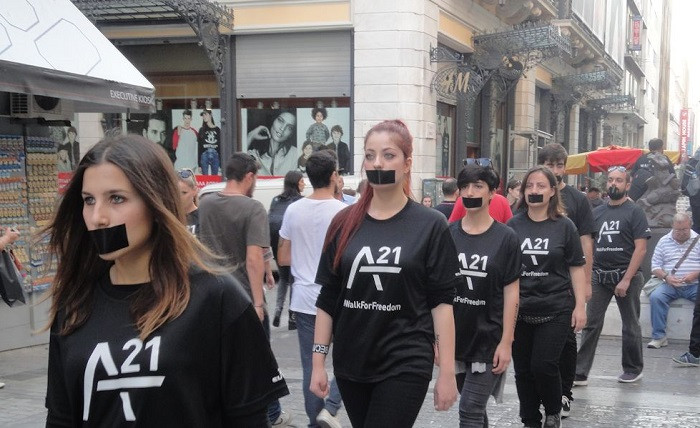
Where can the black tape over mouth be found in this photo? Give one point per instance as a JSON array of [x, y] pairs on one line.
[[110, 239], [533, 199], [380, 176], [472, 202]]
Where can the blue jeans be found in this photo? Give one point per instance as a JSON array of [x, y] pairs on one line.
[[475, 393], [629, 306], [305, 330], [660, 300], [210, 158]]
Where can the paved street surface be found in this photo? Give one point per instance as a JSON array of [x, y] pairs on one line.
[[667, 396]]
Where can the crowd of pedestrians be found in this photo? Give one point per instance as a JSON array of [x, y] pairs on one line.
[[148, 314]]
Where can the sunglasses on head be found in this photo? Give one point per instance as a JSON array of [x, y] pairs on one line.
[[617, 168], [485, 162], [185, 173]]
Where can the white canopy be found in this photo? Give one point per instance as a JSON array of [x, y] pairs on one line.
[[48, 47]]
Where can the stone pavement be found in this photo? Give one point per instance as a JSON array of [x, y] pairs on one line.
[[667, 396]]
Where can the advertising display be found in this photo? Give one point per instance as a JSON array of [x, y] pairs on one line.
[[283, 139]]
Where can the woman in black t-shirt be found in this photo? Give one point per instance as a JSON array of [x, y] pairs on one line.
[[486, 304], [187, 184], [140, 320], [293, 186], [388, 272], [552, 296]]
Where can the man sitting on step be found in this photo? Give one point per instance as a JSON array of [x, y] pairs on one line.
[[678, 271]]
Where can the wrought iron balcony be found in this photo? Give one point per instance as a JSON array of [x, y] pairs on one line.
[[634, 61]]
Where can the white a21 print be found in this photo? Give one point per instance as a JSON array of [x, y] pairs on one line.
[[476, 268], [539, 248], [375, 267], [102, 354], [607, 229]]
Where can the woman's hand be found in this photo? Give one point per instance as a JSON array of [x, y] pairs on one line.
[[259, 133], [578, 318], [445, 393], [319, 383], [10, 236], [501, 358]]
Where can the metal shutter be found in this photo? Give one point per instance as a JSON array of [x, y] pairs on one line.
[[298, 64]]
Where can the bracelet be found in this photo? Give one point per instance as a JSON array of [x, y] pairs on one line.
[[321, 349]]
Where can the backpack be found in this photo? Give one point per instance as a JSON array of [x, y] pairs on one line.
[[691, 181]]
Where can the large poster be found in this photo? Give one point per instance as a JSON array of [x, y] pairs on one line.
[[282, 139], [196, 140], [325, 128], [153, 126]]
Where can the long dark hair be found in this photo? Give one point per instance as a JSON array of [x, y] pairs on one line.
[[263, 146], [291, 185], [173, 249], [555, 208], [347, 221]]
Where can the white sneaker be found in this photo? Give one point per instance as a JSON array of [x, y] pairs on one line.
[[658, 343], [326, 420], [283, 420], [2, 385]]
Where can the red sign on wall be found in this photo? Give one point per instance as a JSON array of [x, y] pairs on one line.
[[636, 42]]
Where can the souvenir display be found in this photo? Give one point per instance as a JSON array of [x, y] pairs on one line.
[[28, 190]]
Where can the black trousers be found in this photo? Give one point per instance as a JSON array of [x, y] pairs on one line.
[[567, 364], [694, 346], [394, 402], [536, 352]]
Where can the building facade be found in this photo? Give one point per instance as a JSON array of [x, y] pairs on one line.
[[484, 79]]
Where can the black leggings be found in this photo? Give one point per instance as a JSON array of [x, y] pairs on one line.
[[394, 402]]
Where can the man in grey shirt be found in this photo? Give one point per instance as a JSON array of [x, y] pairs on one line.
[[235, 226]]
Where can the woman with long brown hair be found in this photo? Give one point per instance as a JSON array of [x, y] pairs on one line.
[[143, 330], [552, 296], [388, 274]]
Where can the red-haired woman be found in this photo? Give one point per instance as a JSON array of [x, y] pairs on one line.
[[388, 275]]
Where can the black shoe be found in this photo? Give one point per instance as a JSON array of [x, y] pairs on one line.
[[292, 321], [552, 421], [276, 319]]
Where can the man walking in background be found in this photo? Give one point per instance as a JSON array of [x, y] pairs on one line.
[[301, 242], [235, 226]]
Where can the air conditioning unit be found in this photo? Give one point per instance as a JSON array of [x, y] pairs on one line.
[[30, 106]]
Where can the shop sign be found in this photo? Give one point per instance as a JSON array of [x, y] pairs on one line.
[[452, 82], [636, 42]]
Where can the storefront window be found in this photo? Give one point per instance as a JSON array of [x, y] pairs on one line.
[[445, 139]]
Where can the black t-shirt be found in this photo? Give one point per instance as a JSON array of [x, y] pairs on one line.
[[446, 207], [618, 226], [644, 162], [392, 273], [208, 138], [489, 261], [210, 367], [278, 207], [548, 248], [193, 222], [578, 209]]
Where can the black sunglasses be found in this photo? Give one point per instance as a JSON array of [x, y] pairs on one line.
[[485, 162]]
